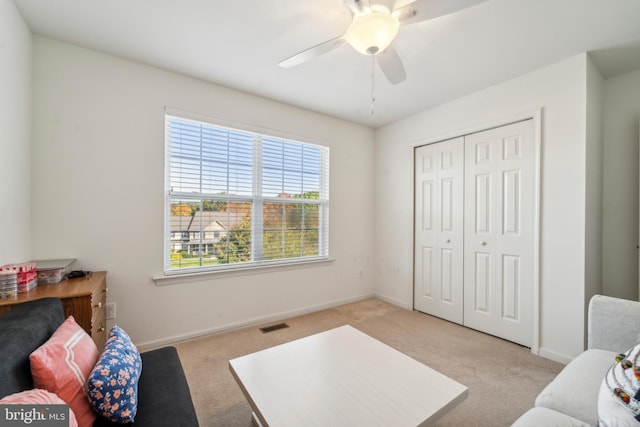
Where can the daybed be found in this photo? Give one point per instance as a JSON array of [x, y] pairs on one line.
[[163, 396]]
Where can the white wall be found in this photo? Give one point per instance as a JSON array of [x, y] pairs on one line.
[[594, 182], [15, 136], [620, 200], [560, 90], [98, 180]]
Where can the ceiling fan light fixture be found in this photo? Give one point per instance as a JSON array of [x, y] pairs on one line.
[[372, 32]]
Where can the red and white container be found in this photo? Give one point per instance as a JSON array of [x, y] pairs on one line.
[[26, 275]]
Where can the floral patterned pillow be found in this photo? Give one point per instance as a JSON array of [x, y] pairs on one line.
[[619, 396], [113, 383]]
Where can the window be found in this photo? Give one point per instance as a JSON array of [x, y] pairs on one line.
[[236, 198]]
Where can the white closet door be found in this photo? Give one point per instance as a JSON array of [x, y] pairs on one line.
[[498, 237], [438, 267]]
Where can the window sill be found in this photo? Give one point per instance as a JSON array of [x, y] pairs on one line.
[[172, 279]]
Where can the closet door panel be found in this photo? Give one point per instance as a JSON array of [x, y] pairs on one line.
[[498, 262], [482, 283], [439, 254]]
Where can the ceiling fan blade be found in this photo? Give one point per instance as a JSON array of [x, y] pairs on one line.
[[391, 65], [312, 52], [357, 6], [421, 10]]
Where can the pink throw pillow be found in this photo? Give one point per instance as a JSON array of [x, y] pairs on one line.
[[37, 397], [62, 366]]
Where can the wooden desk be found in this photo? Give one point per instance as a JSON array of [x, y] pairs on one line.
[[84, 298]]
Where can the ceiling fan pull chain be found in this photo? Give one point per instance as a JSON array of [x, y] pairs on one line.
[[373, 84]]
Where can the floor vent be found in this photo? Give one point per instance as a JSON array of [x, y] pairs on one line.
[[274, 327]]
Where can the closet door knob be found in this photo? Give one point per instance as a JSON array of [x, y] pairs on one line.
[[484, 243], [448, 240]]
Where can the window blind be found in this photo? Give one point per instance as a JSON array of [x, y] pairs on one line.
[[236, 198]]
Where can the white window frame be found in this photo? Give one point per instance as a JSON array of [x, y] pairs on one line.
[[257, 200]]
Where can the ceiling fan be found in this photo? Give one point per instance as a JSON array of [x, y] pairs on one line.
[[374, 25]]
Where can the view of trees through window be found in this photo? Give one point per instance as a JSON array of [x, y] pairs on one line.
[[236, 197]]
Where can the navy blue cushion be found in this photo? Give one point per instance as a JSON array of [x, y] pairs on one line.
[[22, 330], [164, 398], [113, 383]]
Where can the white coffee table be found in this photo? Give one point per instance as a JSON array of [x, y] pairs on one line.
[[342, 377]]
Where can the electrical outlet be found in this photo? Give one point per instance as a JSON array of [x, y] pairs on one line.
[[111, 310]]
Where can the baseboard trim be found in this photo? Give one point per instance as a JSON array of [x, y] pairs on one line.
[[395, 302], [556, 357], [154, 344]]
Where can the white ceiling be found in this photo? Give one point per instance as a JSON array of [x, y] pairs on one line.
[[239, 43]]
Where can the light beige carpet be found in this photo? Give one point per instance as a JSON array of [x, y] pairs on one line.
[[503, 378]]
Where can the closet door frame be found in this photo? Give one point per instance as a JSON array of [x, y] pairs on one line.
[[536, 116]]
